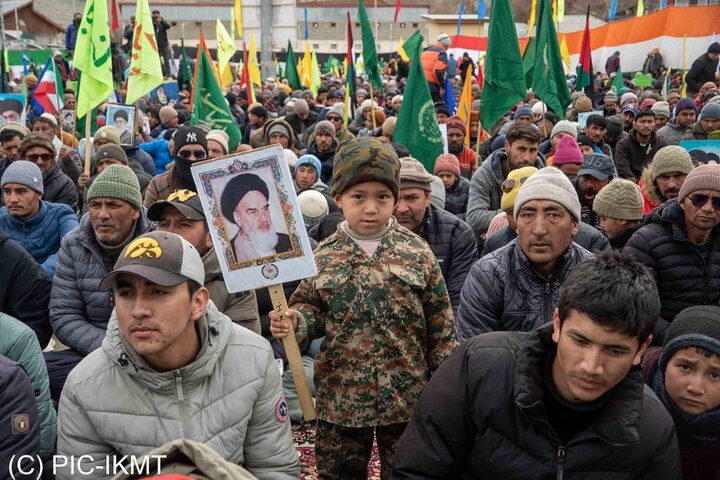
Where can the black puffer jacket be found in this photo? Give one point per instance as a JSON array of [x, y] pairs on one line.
[[327, 160], [59, 188], [590, 238], [453, 243], [24, 289], [504, 292], [702, 70], [631, 157], [456, 197], [683, 276], [482, 416]]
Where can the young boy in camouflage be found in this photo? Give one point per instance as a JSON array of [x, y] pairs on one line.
[[380, 300]]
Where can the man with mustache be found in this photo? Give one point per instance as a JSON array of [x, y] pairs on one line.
[[636, 151], [79, 308], [518, 286], [171, 358], [596, 171], [245, 203], [663, 178]]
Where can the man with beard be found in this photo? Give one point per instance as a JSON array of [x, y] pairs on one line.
[[456, 145], [662, 179], [637, 150], [182, 214], [628, 114], [189, 145], [685, 112], [520, 150], [708, 122], [595, 129], [610, 106], [11, 135], [245, 203], [323, 146], [596, 171]]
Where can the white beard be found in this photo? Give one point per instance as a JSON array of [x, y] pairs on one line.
[[263, 243]]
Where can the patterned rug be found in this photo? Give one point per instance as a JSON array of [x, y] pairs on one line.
[[304, 438]]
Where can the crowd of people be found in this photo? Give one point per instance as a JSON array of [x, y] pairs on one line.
[[544, 302]]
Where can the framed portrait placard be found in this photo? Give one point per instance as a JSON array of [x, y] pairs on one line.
[[123, 117], [254, 219]]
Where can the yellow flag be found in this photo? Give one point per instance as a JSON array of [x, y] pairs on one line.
[[145, 70], [465, 106], [238, 18], [307, 66], [560, 10], [93, 58], [253, 67], [232, 23], [531, 22], [336, 71], [315, 81], [565, 53], [641, 8], [345, 65], [225, 50], [554, 10], [401, 51]]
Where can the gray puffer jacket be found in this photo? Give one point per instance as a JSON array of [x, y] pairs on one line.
[[229, 398], [79, 310], [504, 291], [486, 191]]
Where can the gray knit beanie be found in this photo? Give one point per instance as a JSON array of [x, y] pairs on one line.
[[711, 110], [695, 326], [704, 177], [564, 126], [620, 199], [117, 181], [671, 159], [551, 184], [25, 173]]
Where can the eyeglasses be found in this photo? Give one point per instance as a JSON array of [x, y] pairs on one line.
[[510, 183], [196, 154], [701, 200], [335, 119], [39, 156]]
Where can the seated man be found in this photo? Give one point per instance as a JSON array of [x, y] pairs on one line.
[[450, 239], [170, 358], [562, 399], [79, 309], [518, 286], [57, 186], [37, 225], [619, 205], [662, 179], [182, 214]]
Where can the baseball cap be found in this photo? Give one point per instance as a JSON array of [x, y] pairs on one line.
[[598, 165], [630, 108], [162, 258], [185, 201]]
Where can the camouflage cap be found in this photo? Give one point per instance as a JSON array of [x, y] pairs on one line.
[[367, 159]]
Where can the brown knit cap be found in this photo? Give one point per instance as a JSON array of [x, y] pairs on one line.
[[705, 177], [414, 175], [35, 140]]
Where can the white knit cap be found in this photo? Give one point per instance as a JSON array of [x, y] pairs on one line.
[[313, 205], [564, 126], [539, 108], [551, 184]]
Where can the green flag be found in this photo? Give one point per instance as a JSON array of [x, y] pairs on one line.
[[504, 76], [80, 121], [528, 61], [618, 85], [417, 126], [92, 57], [209, 105], [291, 72], [185, 74], [369, 52], [549, 81]]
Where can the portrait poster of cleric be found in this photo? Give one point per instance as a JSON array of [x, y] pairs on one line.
[[255, 219]]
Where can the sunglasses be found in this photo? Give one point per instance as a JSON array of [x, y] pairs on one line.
[[196, 154], [700, 200], [39, 156], [510, 183], [335, 119]]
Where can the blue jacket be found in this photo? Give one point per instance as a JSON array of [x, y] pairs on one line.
[[41, 234], [160, 153], [71, 36]]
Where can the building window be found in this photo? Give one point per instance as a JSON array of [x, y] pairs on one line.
[[333, 46], [198, 24], [315, 24], [415, 25], [333, 24], [358, 46], [357, 25], [316, 46], [402, 24]]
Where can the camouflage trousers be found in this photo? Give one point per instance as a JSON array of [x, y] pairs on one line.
[[343, 453]]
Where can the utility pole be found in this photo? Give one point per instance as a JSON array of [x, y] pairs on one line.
[[3, 67], [267, 66]]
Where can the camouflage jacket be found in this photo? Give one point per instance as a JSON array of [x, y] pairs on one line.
[[387, 322]]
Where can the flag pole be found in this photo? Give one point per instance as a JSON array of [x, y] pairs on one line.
[[372, 105], [87, 142]]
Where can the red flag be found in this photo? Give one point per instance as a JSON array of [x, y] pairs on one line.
[[481, 75], [398, 6], [245, 77], [584, 69], [114, 16]]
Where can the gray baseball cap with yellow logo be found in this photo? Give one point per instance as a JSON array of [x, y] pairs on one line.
[[162, 258]]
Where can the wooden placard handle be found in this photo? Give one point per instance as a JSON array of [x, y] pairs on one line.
[[292, 351]]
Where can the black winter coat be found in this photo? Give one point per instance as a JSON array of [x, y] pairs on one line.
[[19, 421], [504, 291], [327, 160], [59, 188], [589, 238], [456, 197], [631, 158], [702, 70], [453, 243], [682, 275], [24, 289], [482, 417]]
